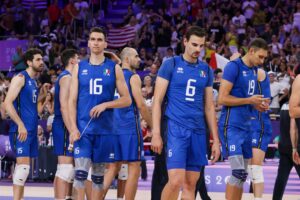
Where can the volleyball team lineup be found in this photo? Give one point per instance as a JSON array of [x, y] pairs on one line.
[[98, 107]]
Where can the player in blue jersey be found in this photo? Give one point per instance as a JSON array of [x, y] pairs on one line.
[[65, 170], [129, 140], [187, 84], [237, 95], [261, 130], [91, 106], [21, 105]]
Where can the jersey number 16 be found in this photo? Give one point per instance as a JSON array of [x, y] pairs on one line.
[[95, 86]]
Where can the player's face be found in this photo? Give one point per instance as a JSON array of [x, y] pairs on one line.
[[135, 60], [194, 46], [97, 42], [258, 57], [37, 63]]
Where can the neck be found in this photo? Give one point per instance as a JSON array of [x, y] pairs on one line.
[[127, 66], [31, 72], [246, 60], [97, 59], [189, 58], [69, 68]]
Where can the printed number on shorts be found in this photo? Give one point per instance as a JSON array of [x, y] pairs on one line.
[[190, 90], [95, 86], [251, 87]]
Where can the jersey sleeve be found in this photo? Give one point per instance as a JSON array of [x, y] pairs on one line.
[[166, 69], [210, 77], [231, 72]]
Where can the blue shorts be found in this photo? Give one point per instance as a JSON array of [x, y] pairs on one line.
[[261, 134], [235, 141], [98, 148], [186, 148], [60, 138], [28, 148], [129, 147]]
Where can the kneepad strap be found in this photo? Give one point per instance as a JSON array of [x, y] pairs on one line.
[[240, 174], [20, 175], [81, 175]]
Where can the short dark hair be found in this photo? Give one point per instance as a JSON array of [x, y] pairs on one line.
[[195, 30], [66, 55], [29, 54], [98, 30], [258, 43]]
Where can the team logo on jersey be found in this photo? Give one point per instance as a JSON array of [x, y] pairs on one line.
[[29, 82], [84, 72], [254, 141], [179, 70], [106, 72], [202, 74]]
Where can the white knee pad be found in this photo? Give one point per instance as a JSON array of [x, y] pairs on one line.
[[89, 178], [20, 174], [257, 174], [123, 173], [65, 172]]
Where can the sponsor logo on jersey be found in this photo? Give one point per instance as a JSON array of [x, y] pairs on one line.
[[84, 72], [106, 72], [202, 74], [179, 70]]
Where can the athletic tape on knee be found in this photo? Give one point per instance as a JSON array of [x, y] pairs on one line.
[[257, 174], [98, 170], [20, 174], [82, 166], [65, 172], [123, 173]]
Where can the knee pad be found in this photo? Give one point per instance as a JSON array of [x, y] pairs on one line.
[[240, 174], [65, 172], [257, 175], [82, 166], [98, 170], [20, 174], [235, 182], [123, 173]]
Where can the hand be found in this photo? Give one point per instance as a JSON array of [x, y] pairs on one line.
[[296, 157], [156, 143], [264, 106], [215, 152], [112, 56], [97, 110], [74, 136], [22, 133], [46, 87], [257, 99]]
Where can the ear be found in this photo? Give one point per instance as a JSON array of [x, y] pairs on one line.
[[185, 41]]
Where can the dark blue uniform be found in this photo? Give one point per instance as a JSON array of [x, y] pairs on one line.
[[129, 137], [26, 107], [261, 126], [186, 134], [59, 130], [235, 121], [96, 85]]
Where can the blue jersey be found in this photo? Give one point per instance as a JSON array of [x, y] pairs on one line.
[[26, 104], [185, 93], [263, 88], [127, 118], [57, 112], [244, 81], [96, 85]]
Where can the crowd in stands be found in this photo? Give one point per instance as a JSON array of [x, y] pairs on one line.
[[159, 28]]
